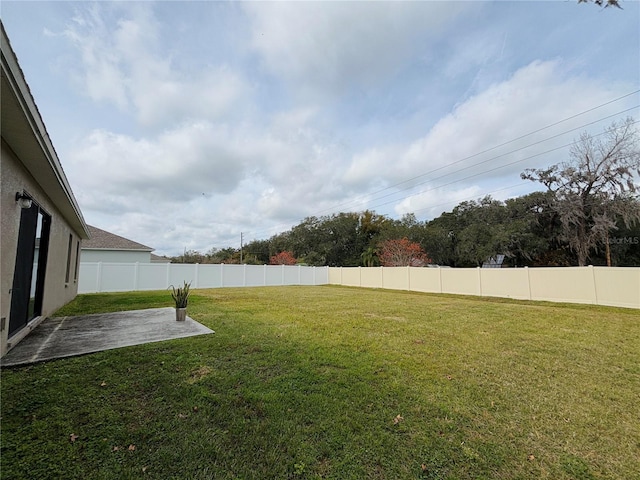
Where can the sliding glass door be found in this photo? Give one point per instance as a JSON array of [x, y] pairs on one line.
[[31, 264]]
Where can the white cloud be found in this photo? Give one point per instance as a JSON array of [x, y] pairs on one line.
[[431, 203], [123, 62], [535, 96], [327, 46]]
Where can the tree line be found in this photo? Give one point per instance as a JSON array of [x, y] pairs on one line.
[[588, 214]]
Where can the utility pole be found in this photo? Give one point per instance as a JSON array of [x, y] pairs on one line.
[[240, 248]]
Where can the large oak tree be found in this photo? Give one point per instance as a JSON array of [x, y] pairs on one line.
[[595, 187]]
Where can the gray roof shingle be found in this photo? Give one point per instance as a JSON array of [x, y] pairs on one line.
[[103, 240]]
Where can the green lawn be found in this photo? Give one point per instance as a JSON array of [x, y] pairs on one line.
[[341, 383]]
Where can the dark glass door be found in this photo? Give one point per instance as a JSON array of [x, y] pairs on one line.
[[31, 263]]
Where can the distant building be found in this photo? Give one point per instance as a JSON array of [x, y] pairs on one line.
[[158, 259], [42, 225], [108, 247], [494, 262]]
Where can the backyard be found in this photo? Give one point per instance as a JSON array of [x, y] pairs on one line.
[[341, 383]]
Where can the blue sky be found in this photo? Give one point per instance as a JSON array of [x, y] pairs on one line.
[[182, 124]]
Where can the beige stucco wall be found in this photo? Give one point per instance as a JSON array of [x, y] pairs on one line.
[[15, 178]]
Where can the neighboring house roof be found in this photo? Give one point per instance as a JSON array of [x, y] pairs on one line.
[[24, 132], [158, 259], [103, 240]]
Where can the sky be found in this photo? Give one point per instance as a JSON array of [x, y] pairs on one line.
[[184, 125]]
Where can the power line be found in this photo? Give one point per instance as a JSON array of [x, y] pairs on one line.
[[507, 143], [355, 201], [484, 172], [489, 159]]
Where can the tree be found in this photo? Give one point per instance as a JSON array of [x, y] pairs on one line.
[[283, 258], [594, 187], [403, 252], [369, 257]]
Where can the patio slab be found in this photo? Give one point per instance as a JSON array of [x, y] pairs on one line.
[[60, 337]]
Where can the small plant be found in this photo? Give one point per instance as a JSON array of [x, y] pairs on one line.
[[181, 295]]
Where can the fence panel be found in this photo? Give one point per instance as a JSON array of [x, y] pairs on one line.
[[124, 277], [372, 277], [505, 282], [462, 281], [118, 277], [425, 280], [152, 276], [597, 285], [618, 286], [565, 284]]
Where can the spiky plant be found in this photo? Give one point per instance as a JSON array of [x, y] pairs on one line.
[[181, 295]]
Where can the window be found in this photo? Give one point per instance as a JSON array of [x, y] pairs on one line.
[[75, 274], [66, 278]]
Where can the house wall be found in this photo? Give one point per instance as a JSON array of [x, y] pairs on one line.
[[115, 256], [15, 178]]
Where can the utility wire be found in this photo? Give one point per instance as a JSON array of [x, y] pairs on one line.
[[507, 143], [356, 201], [484, 172], [486, 161]]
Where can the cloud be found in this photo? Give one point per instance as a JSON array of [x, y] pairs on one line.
[[327, 47], [431, 203], [179, 164], [124, 62], [535, 96], [236, 173]]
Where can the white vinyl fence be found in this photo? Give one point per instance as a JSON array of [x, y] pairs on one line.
[[127, 277], [612, 286]]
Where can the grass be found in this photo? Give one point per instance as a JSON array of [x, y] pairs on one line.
[[340, 383]]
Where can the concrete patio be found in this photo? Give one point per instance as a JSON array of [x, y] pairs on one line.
[[78, 335]]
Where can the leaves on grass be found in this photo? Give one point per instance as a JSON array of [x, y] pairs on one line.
[[398, 419], [103, 384], [531, 458], [117, 448], [73, 437]]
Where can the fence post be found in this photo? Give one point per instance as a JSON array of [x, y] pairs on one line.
[[222, 275], [595, 288], [244, 274], [99, 278], [299, 274], [479, 280], [282, 281], [168, 276], [409, 277], [528, 282], [135, 276], [440, 277], [264, 275], [196, 275]]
